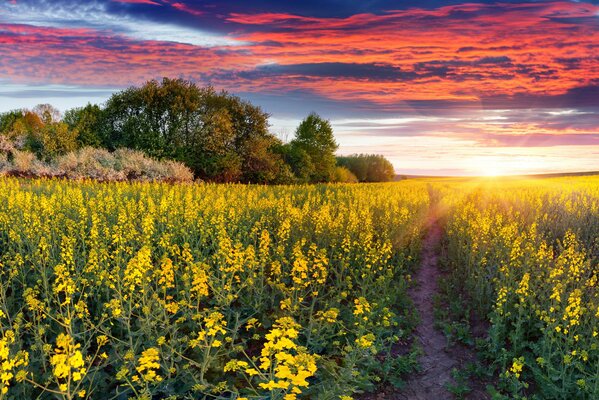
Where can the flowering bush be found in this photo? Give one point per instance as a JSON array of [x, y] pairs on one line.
[[92, 163]]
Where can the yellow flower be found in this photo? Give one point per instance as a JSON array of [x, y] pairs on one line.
[[329, 316], [102, 340], [365, 341], [148, 365], [361, 306], [67, 360], [517, 365]]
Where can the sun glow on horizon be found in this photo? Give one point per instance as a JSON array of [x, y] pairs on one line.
[[492, 167]]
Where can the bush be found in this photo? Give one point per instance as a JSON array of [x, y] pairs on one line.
[[92, 163], [98, 164], [344, 175], [17, 162], [123, 164], [368, 167]]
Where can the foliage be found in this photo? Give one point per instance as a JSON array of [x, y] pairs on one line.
[[344, 175], [314, 136], [86, 122], [92, 163], [299, 162], [8, 119], [368, 167], [147, 290], [121, 165], [51, 140], [39, 131], [219, 136]]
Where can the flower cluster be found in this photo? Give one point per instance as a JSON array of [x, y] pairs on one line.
[[289, 364], [149, 365], [67, 361], [11, 362]]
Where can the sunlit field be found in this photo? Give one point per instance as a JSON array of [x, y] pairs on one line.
[[525, 252], [203, 290], [148, 290]]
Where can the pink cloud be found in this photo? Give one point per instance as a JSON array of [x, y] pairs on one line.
[[185, 8], [460, 52]]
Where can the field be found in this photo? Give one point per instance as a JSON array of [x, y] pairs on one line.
[[526, 255], [148, 290]]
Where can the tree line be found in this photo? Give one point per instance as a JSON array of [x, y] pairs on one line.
[[219, 136]]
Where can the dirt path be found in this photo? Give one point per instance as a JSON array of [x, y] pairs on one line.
[[436, 361]]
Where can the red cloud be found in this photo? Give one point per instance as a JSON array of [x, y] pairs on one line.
[[185, 8], [460, 52]]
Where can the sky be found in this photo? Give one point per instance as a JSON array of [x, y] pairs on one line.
[[437, 87]]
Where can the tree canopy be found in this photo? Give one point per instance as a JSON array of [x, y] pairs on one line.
[[219, 136], [368, 167], [314, 136]]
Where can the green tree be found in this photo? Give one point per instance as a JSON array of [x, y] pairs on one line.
[[368, 167], [298, 161], [219, 136], [8, 119], [262, 164], [86, 122], [52, 140], [314, 136]]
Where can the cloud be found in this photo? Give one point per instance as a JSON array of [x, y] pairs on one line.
[[109, 17], [460, 53], [540, 140], [370, 71], [137, 2], [485, 75]]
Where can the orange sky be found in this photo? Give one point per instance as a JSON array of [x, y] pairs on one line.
[[512, 83]]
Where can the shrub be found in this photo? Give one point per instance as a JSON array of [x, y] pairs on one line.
[[344, 175], [17, 162], [98, 164], [92, 163], [123, 164], [368, 167]]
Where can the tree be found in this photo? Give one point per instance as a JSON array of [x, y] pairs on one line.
[[262, 164], [368, 167], [210, 153], [8, 119], [86, 122], [298, 161], [344, 175], [52, 140], [39, 131], [47, 113], [314, 136], [219, 136]]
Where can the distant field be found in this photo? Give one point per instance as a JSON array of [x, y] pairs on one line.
[[147, 290]]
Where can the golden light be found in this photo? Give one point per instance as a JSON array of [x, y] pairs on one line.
[[489, 166]]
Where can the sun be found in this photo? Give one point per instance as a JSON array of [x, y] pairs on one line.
[[493, 172], [490, 167]]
